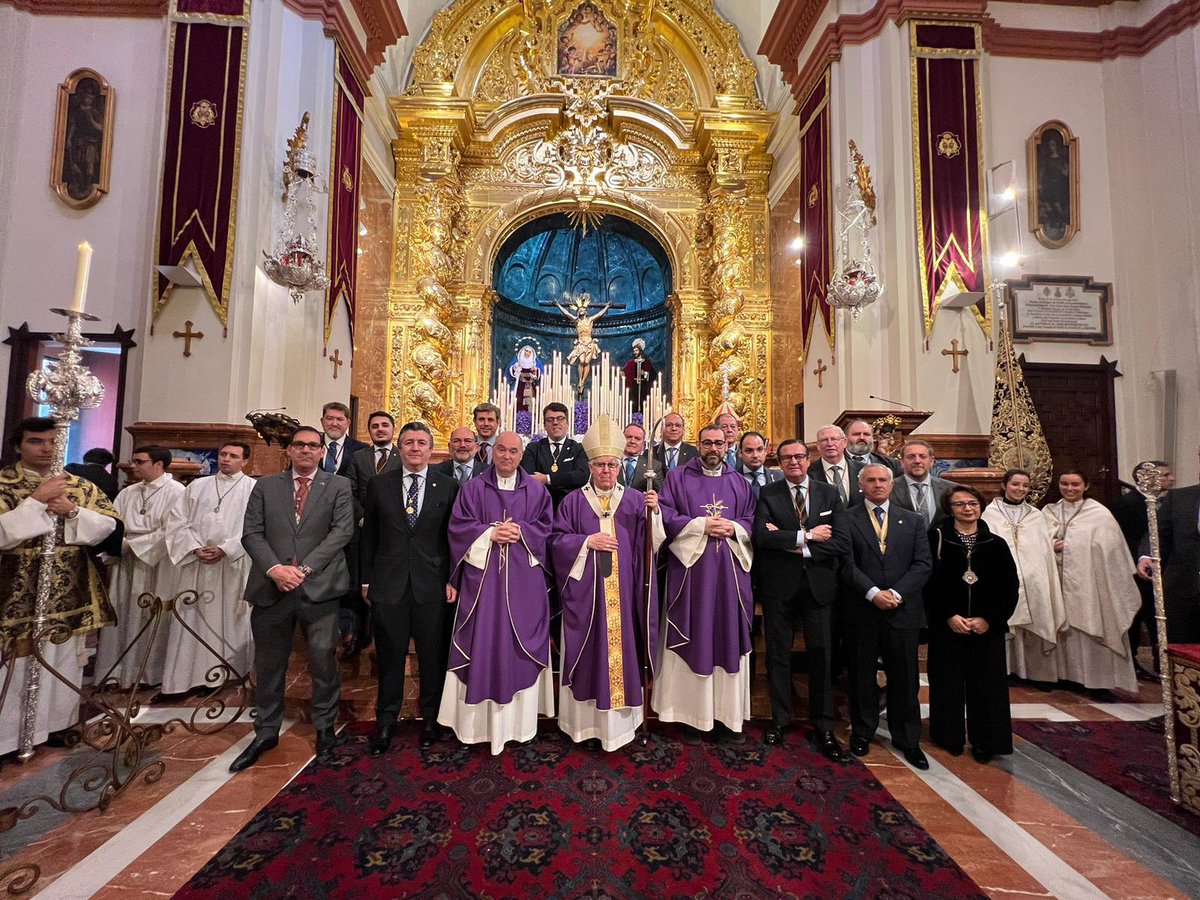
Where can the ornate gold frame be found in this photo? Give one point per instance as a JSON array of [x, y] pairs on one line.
[[490, 138], [65, 91], [1031, 148]]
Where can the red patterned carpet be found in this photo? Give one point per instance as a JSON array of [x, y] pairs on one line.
[[678, 818], [1129, 757]]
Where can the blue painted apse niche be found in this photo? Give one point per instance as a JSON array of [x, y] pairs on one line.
[[617, 261]]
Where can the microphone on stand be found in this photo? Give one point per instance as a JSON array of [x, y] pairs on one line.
[[895, 402]]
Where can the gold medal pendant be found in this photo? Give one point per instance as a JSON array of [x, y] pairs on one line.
[[409, 510], [970, 577], [554, 467]]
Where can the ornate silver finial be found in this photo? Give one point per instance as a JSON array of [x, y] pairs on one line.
[[1148, 478]]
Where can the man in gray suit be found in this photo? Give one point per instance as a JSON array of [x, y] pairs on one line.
[[464, 463], [632, 472], [752, 462], [918, 488], [296, 527]]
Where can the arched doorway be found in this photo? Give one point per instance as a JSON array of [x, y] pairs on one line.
[[619, 264]]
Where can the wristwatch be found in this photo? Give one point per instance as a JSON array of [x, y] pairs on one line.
[[73, 513], [306, 570]]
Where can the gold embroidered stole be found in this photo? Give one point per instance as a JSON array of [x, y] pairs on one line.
[[612, 612]]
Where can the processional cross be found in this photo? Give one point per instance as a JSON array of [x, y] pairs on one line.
[[188, 336]]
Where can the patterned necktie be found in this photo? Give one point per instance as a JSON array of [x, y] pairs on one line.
[[331, 457], [630, 465], [484, 453], [672, 457], [800, 512], [301, 495], [383, 458], [464, 473], [921, 502], [879, 515], [410, 505], [555, 449], [837, 479]]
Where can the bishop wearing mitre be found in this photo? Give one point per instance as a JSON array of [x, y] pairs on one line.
[[609, 607], [708, 514]]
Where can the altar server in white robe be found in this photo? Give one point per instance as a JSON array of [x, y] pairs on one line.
[[31, 504], [144, 567], [1098, 589], [1040, 614], [204, 540]]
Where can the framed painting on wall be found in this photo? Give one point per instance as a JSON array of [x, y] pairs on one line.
[[1053, 156], [83, 124]]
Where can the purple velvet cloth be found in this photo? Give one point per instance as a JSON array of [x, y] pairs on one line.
[[585, 642], [501, 638], [709, 606]]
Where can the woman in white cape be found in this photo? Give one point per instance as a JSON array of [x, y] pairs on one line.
[[1040, 614]]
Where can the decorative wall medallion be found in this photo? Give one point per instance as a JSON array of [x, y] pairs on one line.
[[203, 114], [949, 145]]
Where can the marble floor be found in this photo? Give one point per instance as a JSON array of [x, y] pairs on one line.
[[1026, 825]]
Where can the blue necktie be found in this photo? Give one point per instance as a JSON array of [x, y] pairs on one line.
[[331, 457], [879, 515], [672, 456], [630, 464]]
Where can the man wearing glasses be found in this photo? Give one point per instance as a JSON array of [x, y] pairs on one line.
[[555, 460], [708, 514], [296, 528]]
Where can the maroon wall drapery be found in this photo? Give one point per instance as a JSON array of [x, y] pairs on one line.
[[816, 215], [947, 110], [344, 186], [202, 148]]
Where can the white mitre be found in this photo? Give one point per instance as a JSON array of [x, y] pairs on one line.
[[604, 438]]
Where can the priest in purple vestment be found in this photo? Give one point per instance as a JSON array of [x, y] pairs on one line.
[[598, 553], [499, 675], [708, 513]]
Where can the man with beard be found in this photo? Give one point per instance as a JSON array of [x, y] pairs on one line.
[[860, 447]]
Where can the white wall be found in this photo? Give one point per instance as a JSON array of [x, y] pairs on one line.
[[39, 233]]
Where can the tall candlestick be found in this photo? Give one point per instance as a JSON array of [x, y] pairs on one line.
[[81, 276]]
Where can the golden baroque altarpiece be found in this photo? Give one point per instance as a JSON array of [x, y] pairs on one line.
[[495, 131]]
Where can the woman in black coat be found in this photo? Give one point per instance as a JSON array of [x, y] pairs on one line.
[[969, 598]]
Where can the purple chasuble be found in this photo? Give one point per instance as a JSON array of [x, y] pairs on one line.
[[501, 638], [586, 640], [709, 606]]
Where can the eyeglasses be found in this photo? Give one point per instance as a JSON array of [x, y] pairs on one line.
[[139, 462], [965, 504], [793, 457], [712, 445], [306, 445], [605, 465], [559, 418]]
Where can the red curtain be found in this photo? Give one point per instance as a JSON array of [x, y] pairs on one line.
[[816, 215], [344, 183]]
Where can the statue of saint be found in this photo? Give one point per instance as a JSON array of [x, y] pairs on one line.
[[639, 374], [586, 348], [526, 371]]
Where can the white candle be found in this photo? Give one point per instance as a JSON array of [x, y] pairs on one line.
[[81, 276]]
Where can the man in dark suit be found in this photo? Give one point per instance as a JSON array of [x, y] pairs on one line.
[[752, 462], [632, 472], [918, 488], [1179, 535], [339, 446], [834, 468], [800, 539], [95, 469], [487, 423], [732, 429], [354, 618], [860, 447], [555, 460], [464, 463], [405, 577], [295, 532], [888, 566], [674, 451]]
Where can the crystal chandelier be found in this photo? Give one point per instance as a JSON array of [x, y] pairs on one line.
[[294, 265], [855, 283]]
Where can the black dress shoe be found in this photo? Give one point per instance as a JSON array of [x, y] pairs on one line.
[[828, 745], [430, 734], [860, 746], [773, 736], [250, 755], [916, 758], [953, 751], [326, 741], [982, 756], [381, 739]]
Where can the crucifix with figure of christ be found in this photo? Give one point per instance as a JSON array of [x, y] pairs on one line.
[[586, 348]]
